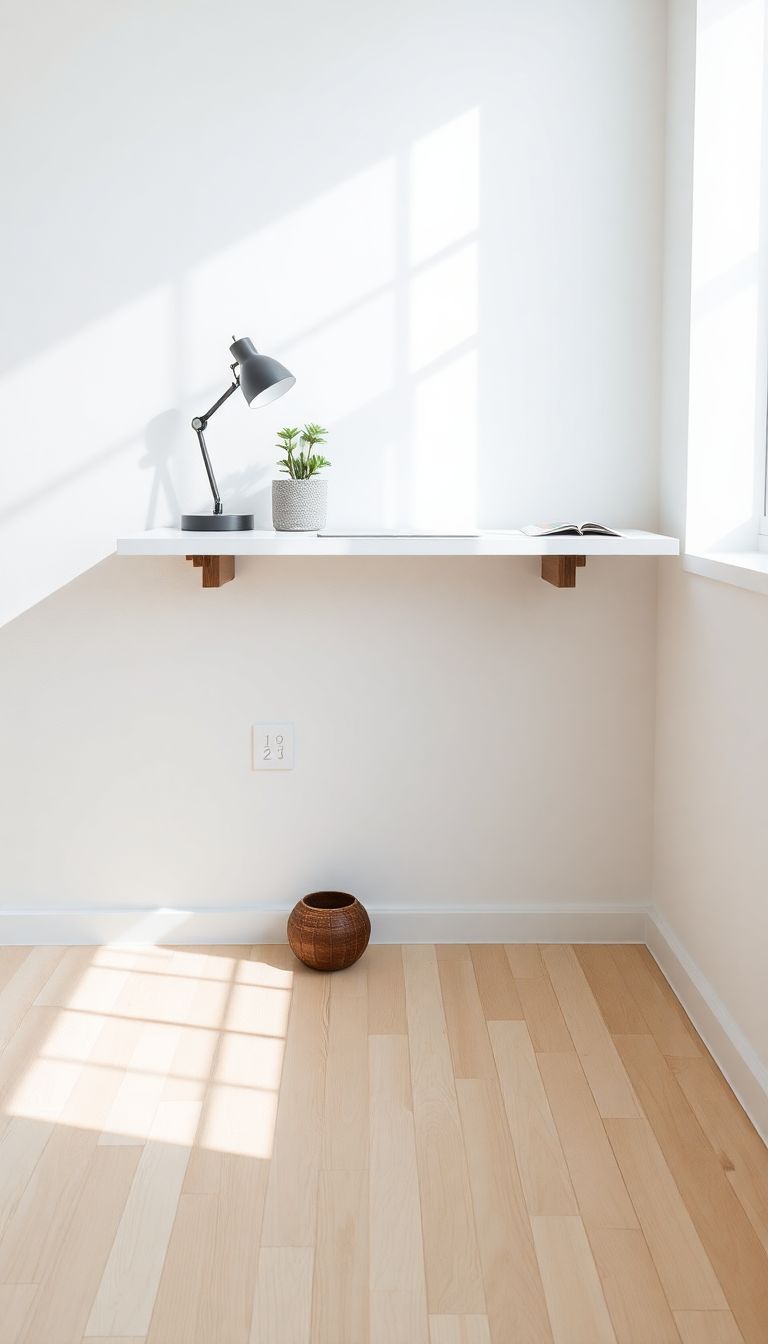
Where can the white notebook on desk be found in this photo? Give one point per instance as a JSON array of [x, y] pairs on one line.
[[391, 532]]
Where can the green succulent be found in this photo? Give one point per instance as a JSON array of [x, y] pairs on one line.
[[301, 462]]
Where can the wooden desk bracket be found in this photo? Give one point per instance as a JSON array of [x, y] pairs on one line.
[[217, 569], [560, 570]]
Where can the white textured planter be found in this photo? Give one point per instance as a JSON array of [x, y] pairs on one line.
[[299, 506]]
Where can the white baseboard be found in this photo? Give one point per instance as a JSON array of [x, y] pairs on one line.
[[729, 1046], [596, 923]]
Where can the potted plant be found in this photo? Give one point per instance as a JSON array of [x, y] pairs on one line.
[[300, 503]]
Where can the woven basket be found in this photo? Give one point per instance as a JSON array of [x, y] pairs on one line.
[[328, 930]]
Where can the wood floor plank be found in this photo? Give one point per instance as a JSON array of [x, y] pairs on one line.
[[232, 1269], [459, 1330], [577, 1307], [61, 986], [543, 1016], [619, 1010], [262, 1008], [540, 1160], [467, 1031], [38, 1225], [600, 1190], [386, 990], [454, 1281], [496, 983], [632, 1288], [277, 955], [391, 1318], [283, 1307], [203, 1174], [25, 1043], [67, 1289], [150, 1046], [525, 961], [126, 1293], [162, 1009], [681, 1262], [340, 1288], [726, 1233], [290, 1215], [22, 1144], [739, 1148], [708, 1327], [605, 1073], [234, 1144], [219, 1228], [16, 1301], [10, 961], [20, 991], [89, 979], [398, 1308], [345, 1124], [666, 1021], [45, 1086], [179, 1312], [513, 1291]]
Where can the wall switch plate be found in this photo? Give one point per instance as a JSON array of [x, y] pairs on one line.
[[273, 746]]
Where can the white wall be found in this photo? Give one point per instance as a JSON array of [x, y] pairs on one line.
[[446, 218], [712, 729]]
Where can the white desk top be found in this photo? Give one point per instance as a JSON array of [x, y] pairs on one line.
[[172, 541]]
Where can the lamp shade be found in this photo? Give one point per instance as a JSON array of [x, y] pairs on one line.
[[262, 379]]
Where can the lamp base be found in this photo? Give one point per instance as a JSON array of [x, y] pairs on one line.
[[217, 522]]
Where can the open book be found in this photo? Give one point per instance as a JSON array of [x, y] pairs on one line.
[[572, 530]]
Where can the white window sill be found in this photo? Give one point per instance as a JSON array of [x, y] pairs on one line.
[[742, 569]]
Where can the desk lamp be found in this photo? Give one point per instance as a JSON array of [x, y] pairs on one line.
[[260, 380]]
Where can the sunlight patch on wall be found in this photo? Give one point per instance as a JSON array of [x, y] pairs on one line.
[[728, 147], [299, 272], [79, 417], [726, 414], [442, 321], [445, 446], [721, 468], [443, 307], [444, 187], [346, 365], [86, 394], [359, 288]]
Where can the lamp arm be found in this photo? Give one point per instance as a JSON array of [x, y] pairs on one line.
[[200, 423], [232, 388]]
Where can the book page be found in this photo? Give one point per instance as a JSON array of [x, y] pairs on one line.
[[560, 530], [597, 530]]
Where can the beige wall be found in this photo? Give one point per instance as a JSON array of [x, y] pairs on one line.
[[465, 735]]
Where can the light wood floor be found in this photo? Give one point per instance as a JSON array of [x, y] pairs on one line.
[[445, 1145]]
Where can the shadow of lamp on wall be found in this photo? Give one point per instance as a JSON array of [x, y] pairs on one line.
[[261, 379]]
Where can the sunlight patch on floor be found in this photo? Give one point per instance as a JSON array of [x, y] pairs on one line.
[[176, 1046]]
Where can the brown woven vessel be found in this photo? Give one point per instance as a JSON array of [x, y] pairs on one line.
[[329, 930]]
